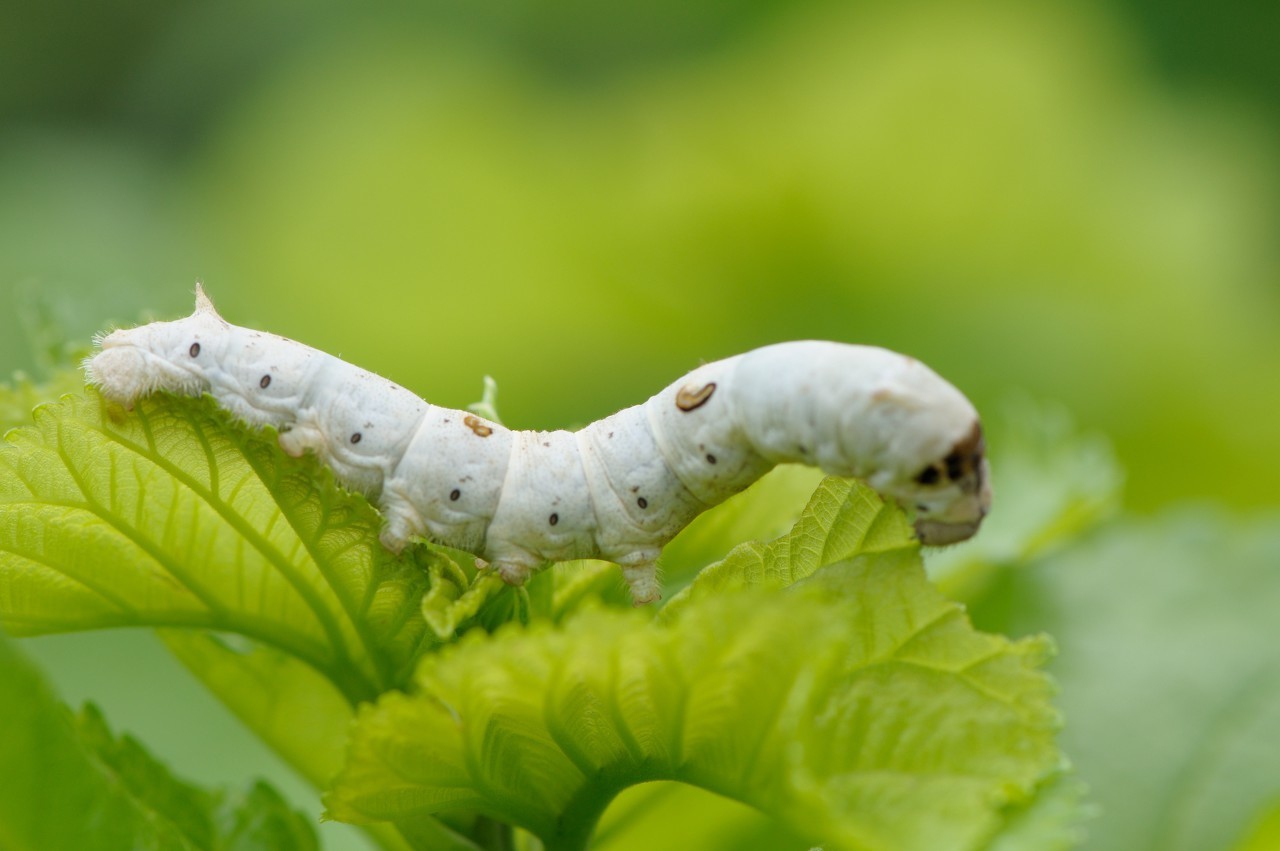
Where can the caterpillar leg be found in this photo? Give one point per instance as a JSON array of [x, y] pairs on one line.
[[300, 439], [401, 522], [514, 572], [640, 569], [394, 536]]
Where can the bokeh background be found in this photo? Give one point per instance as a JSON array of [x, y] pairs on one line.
[[1075, 200]]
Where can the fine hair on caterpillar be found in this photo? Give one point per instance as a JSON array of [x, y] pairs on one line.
[[619, 489]]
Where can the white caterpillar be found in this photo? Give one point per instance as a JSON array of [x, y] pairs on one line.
[[619, 489]]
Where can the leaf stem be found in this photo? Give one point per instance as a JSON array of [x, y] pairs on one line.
[[577, 823], [493, 835]]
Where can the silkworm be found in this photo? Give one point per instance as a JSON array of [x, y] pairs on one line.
[[619, 489]]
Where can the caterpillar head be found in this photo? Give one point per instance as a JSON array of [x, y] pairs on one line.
[[952, 494], [918, 441], [134, 362]]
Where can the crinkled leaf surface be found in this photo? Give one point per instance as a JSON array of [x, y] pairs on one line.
[[858, 707], [927, 718], [766, 509], [1170, 673], [763, 511], [69, 785], [843, 519], [1056, 819], [168, 516]]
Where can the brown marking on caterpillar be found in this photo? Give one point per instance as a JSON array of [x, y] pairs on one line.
[[553, 519], [454, 494], [964, 461], [265, 382], [642, 502], [962, 464], [477, 427], [355, 438], [690, 400], [194, 351]]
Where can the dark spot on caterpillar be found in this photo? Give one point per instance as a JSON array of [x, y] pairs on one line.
[[553, 519], [194, 351], [635, 488], [690, 400], [611, 435], [642, 502], [928, 476], [265, 382], [921, 507], [454, 494], [802, 450], [355, 438], [965, 459], [547, 444], [477, 427], [711, 459]]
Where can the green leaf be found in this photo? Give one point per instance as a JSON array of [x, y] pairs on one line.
[[69, 785], [858, 707], [843, 519], [587, 582], [171, 516], [451, 603], [766, 509], [763, 511], [487, 407], [19, 398], [287, 704], [1170, 679], [151, 787], [1053, 820], [1265, 834], [260, 820], [962, 717], [666, 814]]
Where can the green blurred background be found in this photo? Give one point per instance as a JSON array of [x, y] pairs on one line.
[[1077, 200]]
